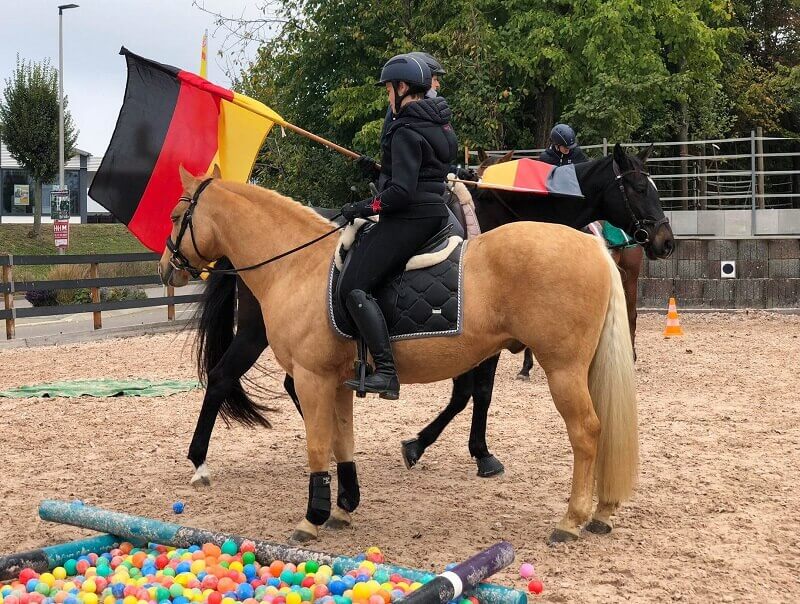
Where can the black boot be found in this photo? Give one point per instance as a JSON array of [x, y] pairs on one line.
[[369, 320]]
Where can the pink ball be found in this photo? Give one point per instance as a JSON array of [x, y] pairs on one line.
[[526, 571]]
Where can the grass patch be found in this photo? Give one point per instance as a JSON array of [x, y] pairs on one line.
[[83, 239]]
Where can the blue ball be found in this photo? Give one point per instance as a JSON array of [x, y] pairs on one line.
[[71, 600], [337, 588], [361, 557], [194, 548], [180, 600], [250, 572], [183, 567], [244, 591], [362, 578], [30, 586], [201, 575], [349, 581], [118, 590], [274, 582], [177, 507]]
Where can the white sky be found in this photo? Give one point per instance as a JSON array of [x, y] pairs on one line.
[[168, 31]]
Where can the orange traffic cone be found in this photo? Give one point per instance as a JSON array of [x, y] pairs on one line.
[[673, 327]]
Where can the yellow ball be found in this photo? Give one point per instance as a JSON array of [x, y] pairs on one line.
[[130, 600], [182, 579], [109, 600], [59, 572], [228, 601], [293, 598], [143, 602], [301, 568], [236, 565], [89, 586], [326, 570], [387, 587], [415, 585], [47, 579], [361, 592], [284, 590], [141, 581], [373, 550], [90, 598], [198, 566], [69, 585], [402, 585], [369, 566], [90, 572]]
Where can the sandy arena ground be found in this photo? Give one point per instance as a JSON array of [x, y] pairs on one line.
[[716, 517]]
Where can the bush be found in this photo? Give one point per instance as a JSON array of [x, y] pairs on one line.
[[45, 297], [69, 272]]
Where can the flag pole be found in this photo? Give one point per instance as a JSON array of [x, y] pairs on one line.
[[204, 56]]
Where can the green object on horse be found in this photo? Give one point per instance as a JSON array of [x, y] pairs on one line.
[[102, 388], [615, 237]]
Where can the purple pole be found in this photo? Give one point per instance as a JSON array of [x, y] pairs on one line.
[[464, 577]]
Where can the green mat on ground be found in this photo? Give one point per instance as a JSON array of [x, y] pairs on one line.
[[102, 388]]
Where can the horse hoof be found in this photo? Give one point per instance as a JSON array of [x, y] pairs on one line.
[[523, 378], [412, 452], [490, 466], [201, 477], [561, 536], [598, 527], [337, 524], [299, 537]]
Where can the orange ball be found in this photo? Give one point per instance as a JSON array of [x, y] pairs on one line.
[[125, 548], [209, 549], [276, 568], [226, 584]]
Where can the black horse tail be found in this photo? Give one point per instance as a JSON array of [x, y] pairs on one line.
[[215, 332]]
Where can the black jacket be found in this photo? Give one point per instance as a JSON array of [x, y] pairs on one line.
[[552, 156], [416, 152]]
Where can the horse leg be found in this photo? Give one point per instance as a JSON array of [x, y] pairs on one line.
[[223, 381], [288, 385], [527, 364], [488, 464], [348, 489], [570, 390], [630, 263], [413, 448], [317, 394]]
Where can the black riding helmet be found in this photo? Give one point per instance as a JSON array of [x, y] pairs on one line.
[[562, 134], [434, 65], [408, 69]]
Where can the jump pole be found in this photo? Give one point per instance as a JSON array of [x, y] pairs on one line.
[[166, 533], [47, 558]]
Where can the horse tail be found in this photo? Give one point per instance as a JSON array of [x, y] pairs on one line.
[[215, 332], [613, 391]]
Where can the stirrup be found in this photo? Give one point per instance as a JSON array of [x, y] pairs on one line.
[[362, 368]]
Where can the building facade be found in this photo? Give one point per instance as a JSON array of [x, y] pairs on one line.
[[16, 188]]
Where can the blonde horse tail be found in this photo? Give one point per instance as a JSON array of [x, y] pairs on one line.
[[613, 391]]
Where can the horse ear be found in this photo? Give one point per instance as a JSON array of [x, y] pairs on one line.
[[620, 157], [482, 156], [188, 181], [644, 154], [507, 157], [216, 172]]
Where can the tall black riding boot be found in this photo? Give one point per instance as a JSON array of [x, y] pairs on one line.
[[369, 320]]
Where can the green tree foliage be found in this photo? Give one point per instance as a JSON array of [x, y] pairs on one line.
[[622, 69], [29, 125]]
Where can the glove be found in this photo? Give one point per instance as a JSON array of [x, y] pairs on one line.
[[351, 211], [467, 174], [368, 166]]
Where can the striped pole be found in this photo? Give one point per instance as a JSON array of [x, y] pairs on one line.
[[47, 558], [166, 533]]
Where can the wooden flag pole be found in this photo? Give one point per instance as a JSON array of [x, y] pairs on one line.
[[322, 141]]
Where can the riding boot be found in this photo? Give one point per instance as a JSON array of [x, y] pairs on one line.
[[369, 320]]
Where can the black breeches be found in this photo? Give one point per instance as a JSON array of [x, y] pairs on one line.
[[384, 251]]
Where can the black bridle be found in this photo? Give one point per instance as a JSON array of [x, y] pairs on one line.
[[639, 226], [180, 262]]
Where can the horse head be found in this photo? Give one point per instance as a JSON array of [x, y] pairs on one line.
[[487, 160], [632, 202], [191, 244]]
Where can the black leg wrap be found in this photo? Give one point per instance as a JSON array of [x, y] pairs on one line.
[[349, 490], [319, 498]]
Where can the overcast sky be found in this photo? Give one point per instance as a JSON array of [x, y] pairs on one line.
[[168, 31]]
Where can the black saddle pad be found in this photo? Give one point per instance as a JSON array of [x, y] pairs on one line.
[[416, 304]]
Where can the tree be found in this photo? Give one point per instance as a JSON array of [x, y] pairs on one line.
[[29, 126]]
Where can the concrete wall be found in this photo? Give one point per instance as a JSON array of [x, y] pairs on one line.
[[733, 224], [767, 275]]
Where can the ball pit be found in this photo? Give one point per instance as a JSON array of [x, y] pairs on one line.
[[212, 574]]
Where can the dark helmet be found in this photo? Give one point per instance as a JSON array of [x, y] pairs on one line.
[[562, 134], [434, 65], [408, 69]]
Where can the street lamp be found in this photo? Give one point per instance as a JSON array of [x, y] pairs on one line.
[[61, 10]]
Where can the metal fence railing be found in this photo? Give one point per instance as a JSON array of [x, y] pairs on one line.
[[9, 287], [749, 173]]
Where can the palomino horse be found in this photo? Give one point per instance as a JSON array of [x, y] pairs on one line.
[[224, 356], [519, 290]]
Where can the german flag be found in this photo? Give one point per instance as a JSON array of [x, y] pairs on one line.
[[171, 117]]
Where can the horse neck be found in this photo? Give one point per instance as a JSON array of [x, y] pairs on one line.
[[254, 224], [593, 177]]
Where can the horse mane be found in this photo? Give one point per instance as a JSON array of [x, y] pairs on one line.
[[262, 195]]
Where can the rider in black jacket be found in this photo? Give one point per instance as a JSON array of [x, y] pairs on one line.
[[416, 153], [564, 147]]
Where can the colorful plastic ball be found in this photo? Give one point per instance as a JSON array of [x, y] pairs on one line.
[[30, 585], [177, 507], [244, 591], [214, 598], [376, 599], [229, 547], [526, 571], [535, 586]]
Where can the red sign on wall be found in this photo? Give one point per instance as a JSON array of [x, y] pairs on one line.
[[61, 233]]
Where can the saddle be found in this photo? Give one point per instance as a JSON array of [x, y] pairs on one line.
[[425, 300]]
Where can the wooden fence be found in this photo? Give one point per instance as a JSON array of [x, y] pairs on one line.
[[8, 287]]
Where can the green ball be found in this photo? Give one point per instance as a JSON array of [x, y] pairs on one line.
[[225, 564], [170, 572], [297, 578], [306, 595], [230, 547], [135, 572], [43, 588], [249, 558], [162, 593], [176, 590], [71, 566], [103, 570], [312, 566]]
